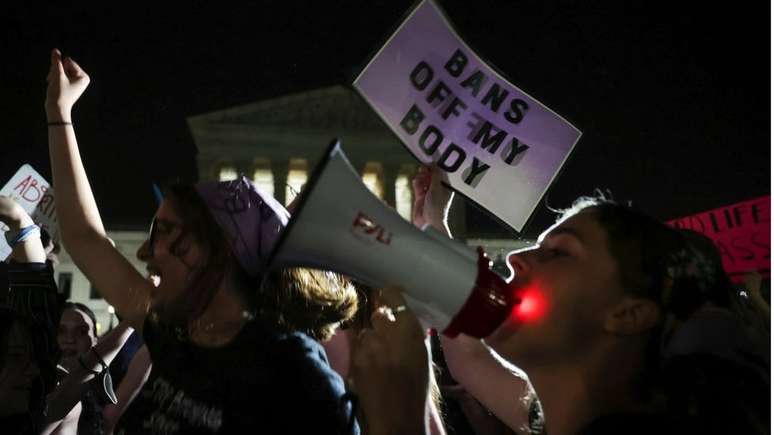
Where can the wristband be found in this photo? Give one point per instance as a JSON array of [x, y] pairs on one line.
[[23, 234], [52, 124]]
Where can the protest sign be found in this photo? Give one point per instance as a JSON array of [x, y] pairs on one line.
[[742, 233], [28, 188], [498, 146]]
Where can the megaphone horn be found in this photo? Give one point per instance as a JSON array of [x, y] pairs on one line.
[[339, 225]]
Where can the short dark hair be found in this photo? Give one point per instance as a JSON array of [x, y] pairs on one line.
[[86, 310]]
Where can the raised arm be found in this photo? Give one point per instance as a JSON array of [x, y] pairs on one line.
[[28, 249], [499, 386], [80, 224]]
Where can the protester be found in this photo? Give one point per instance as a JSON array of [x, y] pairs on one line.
[[76, 335], [20, 379], [233, 346], [614, 287], [76, 406], [27, 311], [338, 348], [505, 391], [78, 403]]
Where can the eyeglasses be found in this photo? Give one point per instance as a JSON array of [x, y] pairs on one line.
[[166, 226], [151, 236]]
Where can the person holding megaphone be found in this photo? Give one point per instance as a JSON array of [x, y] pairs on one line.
[[607, 292], [505, 391]]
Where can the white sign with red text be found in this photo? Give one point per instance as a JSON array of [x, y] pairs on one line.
[[28, 188]]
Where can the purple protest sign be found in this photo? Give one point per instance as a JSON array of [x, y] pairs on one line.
[[499, 146]]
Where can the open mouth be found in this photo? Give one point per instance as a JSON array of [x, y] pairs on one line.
[[154, 276]]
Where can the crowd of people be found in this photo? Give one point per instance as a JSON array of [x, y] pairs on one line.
[[640, 330]]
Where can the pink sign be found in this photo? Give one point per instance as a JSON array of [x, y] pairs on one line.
[[498, 145], [742, 233]]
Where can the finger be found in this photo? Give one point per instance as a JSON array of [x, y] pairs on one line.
[[392, 297], [421, 181], [381, 318], [56, 63], [73, 69]]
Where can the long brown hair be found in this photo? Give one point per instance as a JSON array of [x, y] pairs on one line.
[[308, 300], [294, 299]]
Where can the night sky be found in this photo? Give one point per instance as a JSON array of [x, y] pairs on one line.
[[673, 102]]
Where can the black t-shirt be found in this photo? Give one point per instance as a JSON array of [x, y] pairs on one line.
[[262, 382]]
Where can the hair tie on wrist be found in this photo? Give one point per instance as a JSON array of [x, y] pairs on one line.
[[59, 123]]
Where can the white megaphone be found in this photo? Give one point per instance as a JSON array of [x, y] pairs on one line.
[[339, 225]]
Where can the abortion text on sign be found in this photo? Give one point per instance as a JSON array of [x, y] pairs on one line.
[[30, 190]]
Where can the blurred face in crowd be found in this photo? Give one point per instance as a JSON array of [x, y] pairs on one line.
[[19, 371], [171, 255], [75, 335], [570, 285]]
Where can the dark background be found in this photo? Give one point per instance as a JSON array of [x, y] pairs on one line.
[[673, 98]]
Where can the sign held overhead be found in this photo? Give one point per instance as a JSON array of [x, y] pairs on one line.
[[499, 146]]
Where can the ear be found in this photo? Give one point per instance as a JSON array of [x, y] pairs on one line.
[[632, 316]]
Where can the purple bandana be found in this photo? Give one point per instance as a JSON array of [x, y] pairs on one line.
[[252, 219]]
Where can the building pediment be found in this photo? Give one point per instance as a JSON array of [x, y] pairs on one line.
[[335, 107]]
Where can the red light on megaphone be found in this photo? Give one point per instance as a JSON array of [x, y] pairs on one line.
[[489, 304], [532, 307]]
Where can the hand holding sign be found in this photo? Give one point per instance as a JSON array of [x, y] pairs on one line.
[[496, 144], [32, 194], [66, 82], [431, 199], [15, 218], [13, 215]]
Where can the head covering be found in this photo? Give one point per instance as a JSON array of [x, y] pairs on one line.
[[251, 219]]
